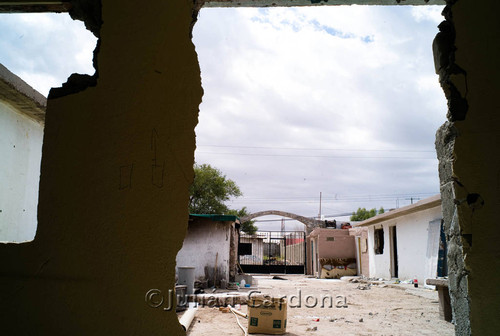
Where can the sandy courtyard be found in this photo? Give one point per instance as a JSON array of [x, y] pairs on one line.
[[378, 310]]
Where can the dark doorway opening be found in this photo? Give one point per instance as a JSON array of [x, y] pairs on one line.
[[394, 252]]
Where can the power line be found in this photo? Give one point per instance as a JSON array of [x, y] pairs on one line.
[[322, 149], [344, 198], [322, 156], [360, 195]]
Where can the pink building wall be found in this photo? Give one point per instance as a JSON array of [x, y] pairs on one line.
[[329, 243], [361, 236]]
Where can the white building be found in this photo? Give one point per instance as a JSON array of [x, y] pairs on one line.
[[211, 246], [404, 243], [22, 115]]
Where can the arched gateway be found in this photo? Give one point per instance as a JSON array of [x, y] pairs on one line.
[[310, 223], [275, 251]]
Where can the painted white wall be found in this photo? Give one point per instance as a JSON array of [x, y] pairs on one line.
[[204, 240], [417, 246], [380, 264], [20, 155]]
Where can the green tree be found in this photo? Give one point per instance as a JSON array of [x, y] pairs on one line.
[[247, 227], [381, 211], [209, 191], [362, 214]]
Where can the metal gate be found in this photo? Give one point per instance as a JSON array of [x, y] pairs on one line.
[[273, 252]]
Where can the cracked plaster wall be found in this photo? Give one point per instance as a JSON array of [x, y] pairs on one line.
[[467, 146], [117, 163]]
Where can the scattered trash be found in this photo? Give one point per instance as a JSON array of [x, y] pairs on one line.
[[278, 278], [312, 329], [361, 320], [316, 319], [232, 286], [397, 281], [224, 310], [354, 280], [397, 308], [364, 287]]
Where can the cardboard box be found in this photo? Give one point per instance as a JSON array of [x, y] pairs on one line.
[[266, 315]]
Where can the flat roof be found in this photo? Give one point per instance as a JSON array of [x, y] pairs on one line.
[[21, 96], [426, 203]]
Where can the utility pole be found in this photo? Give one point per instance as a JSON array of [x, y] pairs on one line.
[[319, 217], [413, 198]]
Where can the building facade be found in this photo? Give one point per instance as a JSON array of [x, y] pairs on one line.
[[404, 243]]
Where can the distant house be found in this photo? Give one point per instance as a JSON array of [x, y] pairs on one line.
[[251, 249], [211, 246], [331, 253], [22, 117], [407, 243]]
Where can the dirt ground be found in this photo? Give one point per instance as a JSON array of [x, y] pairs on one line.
[[379, 310]]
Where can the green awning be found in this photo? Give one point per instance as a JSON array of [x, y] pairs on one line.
[[218, 218]]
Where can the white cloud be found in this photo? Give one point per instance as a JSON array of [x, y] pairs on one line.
[[45, 49], [309, 77], [345, 82], [427, 13]]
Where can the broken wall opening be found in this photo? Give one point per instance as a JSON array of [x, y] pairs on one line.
[[477, 166], [226, 97], [39, 52], [284, 117]]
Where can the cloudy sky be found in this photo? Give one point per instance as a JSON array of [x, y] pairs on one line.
[[341, 101]]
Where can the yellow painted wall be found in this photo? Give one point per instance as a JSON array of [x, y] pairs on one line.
[[108, 230]]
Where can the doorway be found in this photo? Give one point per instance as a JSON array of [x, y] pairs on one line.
[[394, 251]]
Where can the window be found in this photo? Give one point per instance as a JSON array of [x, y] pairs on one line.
[[245, 249], [379, 241]]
